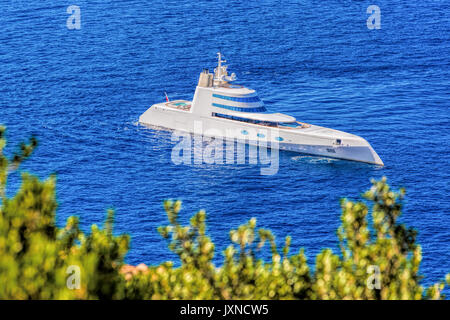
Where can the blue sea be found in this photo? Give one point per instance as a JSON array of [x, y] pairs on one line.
[[82, 91]]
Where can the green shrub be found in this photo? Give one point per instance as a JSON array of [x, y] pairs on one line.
[[35, 255]]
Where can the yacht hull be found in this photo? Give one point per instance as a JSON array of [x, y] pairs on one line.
[[311, 140]]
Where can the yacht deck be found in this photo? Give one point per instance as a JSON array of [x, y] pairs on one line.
[[183, 105]]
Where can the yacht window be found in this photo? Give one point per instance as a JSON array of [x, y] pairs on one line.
[[226, 116], [237, 99], [258, 109], [290, 124]]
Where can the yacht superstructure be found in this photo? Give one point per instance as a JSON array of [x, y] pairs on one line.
[[219, 107]]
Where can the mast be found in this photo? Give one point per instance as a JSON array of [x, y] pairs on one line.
[[220, 73]]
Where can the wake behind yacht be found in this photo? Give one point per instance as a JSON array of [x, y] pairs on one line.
[[220, 106]]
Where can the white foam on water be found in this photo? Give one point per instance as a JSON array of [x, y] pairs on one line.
[[314, 159]]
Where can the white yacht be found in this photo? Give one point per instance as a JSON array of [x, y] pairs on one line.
[[219, 106]]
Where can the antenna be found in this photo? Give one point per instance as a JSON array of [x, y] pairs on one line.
[[219, 71], [219, 66]]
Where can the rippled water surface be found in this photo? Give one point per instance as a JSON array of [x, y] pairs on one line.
[[82, 91]]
